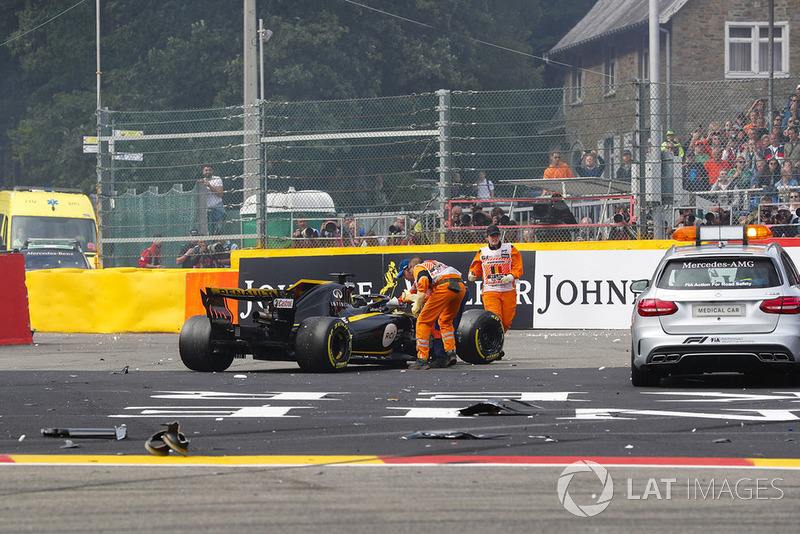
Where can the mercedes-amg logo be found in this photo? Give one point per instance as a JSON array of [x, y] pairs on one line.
[[586, 510]]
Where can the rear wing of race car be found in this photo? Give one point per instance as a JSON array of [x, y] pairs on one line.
[[215, 299]]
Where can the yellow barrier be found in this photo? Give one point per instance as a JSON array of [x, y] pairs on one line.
[[107, 300]]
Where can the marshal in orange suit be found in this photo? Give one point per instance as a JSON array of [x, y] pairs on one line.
[[499, 265]]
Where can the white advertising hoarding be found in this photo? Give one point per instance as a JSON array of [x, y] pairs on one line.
[[588, 289]]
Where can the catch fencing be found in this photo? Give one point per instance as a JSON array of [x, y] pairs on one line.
[[410, 169]]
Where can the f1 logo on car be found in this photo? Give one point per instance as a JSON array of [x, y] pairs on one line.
[[695, 340]]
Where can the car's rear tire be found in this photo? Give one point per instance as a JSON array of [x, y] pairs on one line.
[[194, 346], [323, 345], [480, 336], [644, 377]]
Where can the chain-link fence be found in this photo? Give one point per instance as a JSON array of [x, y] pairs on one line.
[[547, 165]]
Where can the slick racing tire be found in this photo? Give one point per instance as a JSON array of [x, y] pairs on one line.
[[195, 349], [480, 335], [323, 345]]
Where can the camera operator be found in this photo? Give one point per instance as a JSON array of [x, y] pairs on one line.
[[303, 233], [717, 216], [220, 251], [561, 214], [479, 218], [331, 226], [188, 255], [399, 227], [205, 258], [783, 226], [620, 229], [456, 217], [398, 232], [686, 218], [458, 220]]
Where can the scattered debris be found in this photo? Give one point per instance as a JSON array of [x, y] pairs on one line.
[[69, 444], [451, 434], [721, 440], [545, 438], [498, 407], [172, 438], [123, 371], [118, 432]]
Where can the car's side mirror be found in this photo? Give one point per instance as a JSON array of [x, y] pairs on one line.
[[638, 286]]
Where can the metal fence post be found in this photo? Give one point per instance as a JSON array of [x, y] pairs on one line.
[[444, 169], [251, 167], [104, 189], [641, 136]]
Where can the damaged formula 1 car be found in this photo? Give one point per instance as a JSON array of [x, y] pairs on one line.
[[323, 326]]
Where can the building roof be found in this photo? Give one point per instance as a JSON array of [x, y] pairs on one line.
[[608, 17]]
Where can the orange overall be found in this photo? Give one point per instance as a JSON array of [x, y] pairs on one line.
[[437, 281], [492, 266]]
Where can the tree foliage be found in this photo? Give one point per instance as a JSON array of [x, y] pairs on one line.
[[174, 54]]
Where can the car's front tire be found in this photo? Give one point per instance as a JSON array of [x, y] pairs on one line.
[[194, 346], [480, 336], [323, 345]]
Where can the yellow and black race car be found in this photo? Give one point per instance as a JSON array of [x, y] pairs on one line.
[[323, 326]]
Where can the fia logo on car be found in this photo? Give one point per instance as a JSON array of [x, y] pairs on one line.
[[389, 333], [694, 340]]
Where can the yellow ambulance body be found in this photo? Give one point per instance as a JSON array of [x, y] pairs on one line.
[[48, 213]]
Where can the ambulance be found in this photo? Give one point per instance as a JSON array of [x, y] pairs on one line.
[[41, 213]]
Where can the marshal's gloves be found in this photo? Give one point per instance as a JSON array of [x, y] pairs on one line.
[[471, 277], [407, 296], [507, 279], [419, 301]]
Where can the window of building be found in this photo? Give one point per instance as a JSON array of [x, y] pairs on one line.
[[747, 49], [610, 69], [644, 59], [577, 80]]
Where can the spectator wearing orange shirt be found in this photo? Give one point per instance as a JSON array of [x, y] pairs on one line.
[[557, 168], [715, 165]]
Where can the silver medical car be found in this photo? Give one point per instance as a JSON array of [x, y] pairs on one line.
[[720, 305]]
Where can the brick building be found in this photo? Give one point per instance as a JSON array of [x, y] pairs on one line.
[[714, 64]]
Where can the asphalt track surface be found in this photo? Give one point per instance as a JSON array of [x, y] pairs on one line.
[[271, 448]]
